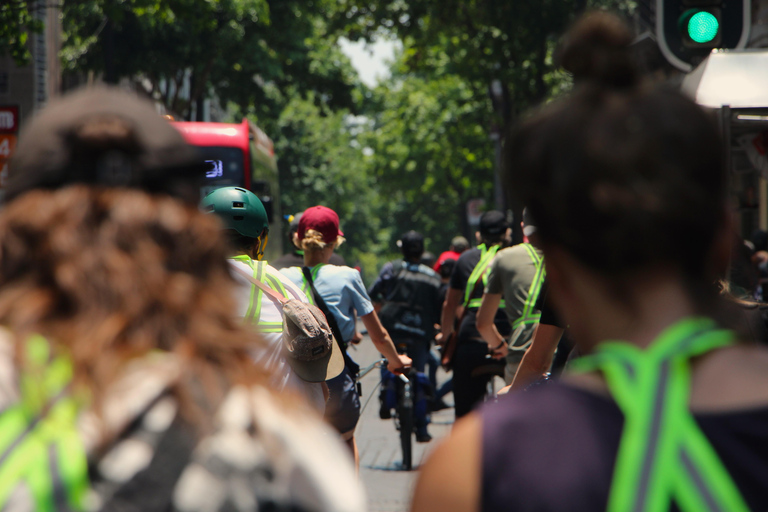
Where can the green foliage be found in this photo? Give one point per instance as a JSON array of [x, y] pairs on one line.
[[17, 22], [479, 41], [431, 154], [240, 50], [322, 162]]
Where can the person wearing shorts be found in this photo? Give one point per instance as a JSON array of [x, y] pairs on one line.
[[341, 292]]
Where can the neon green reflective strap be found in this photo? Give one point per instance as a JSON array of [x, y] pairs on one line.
[[275, 284], [39, 443], [305, 284], [663, 455], [315, 270], [533, 292], [253, 314], [249, 313], [486, 256], [475, 303]]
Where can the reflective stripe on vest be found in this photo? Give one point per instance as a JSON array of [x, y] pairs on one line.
[[528, 316], [253, 313], [480, 271], [39, 443], [663, 454]]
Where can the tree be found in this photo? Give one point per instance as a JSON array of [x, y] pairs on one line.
[[17, 22], [431, 154], [242, 51], [322, 161], [479, 41]]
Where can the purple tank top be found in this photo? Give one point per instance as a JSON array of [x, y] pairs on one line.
[[553, 449]]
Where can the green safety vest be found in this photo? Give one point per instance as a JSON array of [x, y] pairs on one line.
[[663, 454], [529, 317], [480, 272], [253, 313], [39, 442]]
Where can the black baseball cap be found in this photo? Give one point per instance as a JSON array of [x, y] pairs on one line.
[[411, 243], [493, 222], [104, 136]]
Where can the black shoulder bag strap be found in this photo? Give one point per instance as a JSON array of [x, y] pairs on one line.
[[352, 366]]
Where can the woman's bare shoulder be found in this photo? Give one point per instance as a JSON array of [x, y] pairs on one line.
[[450, 479], [731, 378]]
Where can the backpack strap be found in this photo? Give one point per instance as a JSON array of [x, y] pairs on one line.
[[276, 296], [329, 316]]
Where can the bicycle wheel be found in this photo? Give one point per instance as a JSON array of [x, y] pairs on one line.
[[405, 417]]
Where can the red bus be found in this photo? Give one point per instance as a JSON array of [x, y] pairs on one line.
[[240, 155]]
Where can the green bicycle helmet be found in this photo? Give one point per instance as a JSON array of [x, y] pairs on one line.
[[239, 209]]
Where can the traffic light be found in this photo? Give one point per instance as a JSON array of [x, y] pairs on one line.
[[688, 30]]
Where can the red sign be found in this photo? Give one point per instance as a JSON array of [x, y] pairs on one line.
[[7, 145], [9, 118]]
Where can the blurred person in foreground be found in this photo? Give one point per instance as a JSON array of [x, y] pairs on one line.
[[340, 293], [127, 383], [298, 361], [668, 409]]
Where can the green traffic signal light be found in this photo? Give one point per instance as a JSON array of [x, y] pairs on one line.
[[703, 27], [688, 30]]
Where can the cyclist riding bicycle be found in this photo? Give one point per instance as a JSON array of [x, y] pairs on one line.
[[406, 297], [340, 293], [468, 280], [515, 278], [245, 224]]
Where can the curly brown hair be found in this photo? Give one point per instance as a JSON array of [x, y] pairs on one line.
[[111, 275]]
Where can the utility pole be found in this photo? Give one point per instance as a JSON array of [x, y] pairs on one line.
[[499, 95]]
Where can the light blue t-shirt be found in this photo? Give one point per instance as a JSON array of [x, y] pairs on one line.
[[342, 290]]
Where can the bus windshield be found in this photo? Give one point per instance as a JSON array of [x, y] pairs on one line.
[[226, 167]]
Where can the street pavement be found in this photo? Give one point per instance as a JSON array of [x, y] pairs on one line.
[[389, 488]]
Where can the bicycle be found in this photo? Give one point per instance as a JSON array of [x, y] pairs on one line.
[[490, 369], [403, 412]]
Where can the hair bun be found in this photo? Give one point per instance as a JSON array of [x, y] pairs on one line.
[[596, 50]]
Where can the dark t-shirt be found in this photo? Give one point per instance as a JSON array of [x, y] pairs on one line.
[[459, 279], [548, 314], [565, 347], [463, 269], [553, 448], [410, 294]]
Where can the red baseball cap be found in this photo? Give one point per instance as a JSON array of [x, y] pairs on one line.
[[321, 219]]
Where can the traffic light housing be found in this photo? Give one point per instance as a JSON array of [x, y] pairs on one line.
[[688, 30]]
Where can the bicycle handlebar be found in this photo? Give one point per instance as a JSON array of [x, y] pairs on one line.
[[378, 364]]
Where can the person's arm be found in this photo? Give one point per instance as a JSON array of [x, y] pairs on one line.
[[487, 328], [383, 342], [448, 316], [450, 479], [538, 358]]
